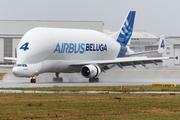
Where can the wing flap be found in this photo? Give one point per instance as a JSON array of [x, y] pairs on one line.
[[134, 63]]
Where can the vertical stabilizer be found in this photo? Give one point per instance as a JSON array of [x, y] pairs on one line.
[[124, 34], [161, 47], [126, 28]]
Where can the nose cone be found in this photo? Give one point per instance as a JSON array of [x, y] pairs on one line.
[[16, 72]]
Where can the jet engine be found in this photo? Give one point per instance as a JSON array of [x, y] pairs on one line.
[[90, 71]]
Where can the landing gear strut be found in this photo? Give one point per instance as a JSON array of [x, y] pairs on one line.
[[93, 80], [33, 80], [57, 79]]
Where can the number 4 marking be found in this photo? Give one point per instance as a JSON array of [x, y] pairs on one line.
[[25, 46], [162, 44]]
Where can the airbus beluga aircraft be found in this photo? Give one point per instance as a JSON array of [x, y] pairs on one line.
[[89, 52]]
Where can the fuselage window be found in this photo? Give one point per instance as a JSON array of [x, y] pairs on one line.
[[18, 65]]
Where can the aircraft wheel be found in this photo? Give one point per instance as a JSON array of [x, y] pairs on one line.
[[93, 80], [96, 80], [90, 80], [33, 80], [58, 79]]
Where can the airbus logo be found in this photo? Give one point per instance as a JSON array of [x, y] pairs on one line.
[[79, 47]]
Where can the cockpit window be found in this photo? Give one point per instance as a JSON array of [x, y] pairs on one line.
[[24, 65], [19, 65]]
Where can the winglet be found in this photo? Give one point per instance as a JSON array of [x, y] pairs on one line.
[[174, 57], [161, 47]]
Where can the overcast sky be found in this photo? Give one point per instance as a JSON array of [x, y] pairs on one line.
[[155, 16]]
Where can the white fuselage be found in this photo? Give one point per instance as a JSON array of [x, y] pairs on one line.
[[53, 49]]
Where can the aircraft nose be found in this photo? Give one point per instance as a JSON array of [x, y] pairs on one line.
[[15, 71]]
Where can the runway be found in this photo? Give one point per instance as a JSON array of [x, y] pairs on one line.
[[114, 77], [147, 81], [99, 92]]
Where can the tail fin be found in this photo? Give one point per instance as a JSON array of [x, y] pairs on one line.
[[125, 32], [126, 29], [161, 47]]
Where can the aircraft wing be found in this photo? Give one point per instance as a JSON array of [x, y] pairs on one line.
[[129, 61], [139, 53]]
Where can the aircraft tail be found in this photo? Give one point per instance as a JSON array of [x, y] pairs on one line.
[[126, 28], [125, 32], [161, 47]]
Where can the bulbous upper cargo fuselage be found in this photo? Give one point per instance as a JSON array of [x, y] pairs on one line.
[[41, 44]]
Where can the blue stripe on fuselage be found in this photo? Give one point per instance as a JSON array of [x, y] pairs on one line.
[[123, 50], [122, 53]]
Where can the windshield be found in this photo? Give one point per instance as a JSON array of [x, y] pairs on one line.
[[19, 65]]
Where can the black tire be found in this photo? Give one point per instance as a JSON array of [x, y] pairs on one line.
[[96, 80], [93, 80], [34, 80], [59, 80], [90, 80]]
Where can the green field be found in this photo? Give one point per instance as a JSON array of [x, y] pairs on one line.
[[89, 106]]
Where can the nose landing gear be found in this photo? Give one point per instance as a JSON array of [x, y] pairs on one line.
[[33, 79]]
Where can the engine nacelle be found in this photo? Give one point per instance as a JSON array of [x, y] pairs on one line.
[[90, 71]]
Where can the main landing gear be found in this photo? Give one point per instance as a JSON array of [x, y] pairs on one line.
[[57, 79], [93, 80]]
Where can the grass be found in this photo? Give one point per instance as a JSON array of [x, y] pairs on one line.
[[89, 106], [102, 88], [2, 75]]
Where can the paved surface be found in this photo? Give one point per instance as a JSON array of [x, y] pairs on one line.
[[102, 92], [110, 78], [142, 81]]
